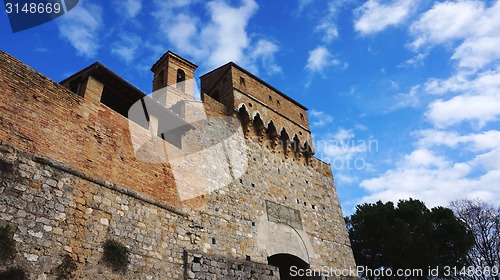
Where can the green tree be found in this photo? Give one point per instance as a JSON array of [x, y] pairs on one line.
[[409, 236]]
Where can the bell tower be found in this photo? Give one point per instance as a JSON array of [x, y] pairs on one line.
[[176, 74]]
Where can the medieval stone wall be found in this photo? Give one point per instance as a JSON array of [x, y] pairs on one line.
[[71, 179], [56, 210]]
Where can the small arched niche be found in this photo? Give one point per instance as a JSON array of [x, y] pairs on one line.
[[258, 125], [181, 80], [244, 117], [284, 140]]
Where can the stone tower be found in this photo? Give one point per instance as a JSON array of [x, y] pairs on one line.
[[265, 112], [77, 170], [175, 73]]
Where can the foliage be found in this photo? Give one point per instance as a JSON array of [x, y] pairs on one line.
[[409, 236], [483, 221], [116, 255], [7, 244], [66, 268]]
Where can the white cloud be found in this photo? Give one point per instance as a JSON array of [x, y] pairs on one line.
[[446, 21], [417, 60], [475, 53], [345, 153], [424, 158], [129, 8], [174, 22], [320, 58], [219, 38], [226, 32], [437, 180], [319, 118], [81, 27], [329, 30], [343, 179], [475, 142], [373, 16], [433, 173], [410, 99], [475, 27], [342, 146], [303, 4], [326, 13], [477, 101], [265, 51], [478, 109], [442, 86], [127, 47]]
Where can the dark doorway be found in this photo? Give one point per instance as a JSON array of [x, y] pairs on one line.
[[289, 266]]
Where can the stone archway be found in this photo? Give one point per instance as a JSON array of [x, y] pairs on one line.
[[289, 266]]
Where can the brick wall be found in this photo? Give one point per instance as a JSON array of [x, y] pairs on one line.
[[40, 116]]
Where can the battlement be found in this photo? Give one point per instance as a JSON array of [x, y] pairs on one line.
[[274, 119]]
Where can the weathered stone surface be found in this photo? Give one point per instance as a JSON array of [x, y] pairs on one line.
[[70, 180]]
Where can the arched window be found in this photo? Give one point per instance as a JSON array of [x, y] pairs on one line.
[[181, 78], [285, 140]]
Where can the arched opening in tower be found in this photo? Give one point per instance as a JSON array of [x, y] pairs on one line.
[[181, 78], [291, 267], [285, 140], [272, 134], [244, 118], [258, 126]]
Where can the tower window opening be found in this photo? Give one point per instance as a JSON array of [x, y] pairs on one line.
[[181, 79], [242, 82]]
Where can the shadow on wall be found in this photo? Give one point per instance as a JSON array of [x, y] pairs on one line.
[[13, 274]]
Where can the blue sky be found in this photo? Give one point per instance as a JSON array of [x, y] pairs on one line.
[[403, 95]]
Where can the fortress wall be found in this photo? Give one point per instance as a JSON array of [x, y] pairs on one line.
[[240, 218], [70, 180], [43, 117], [53, 212]]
